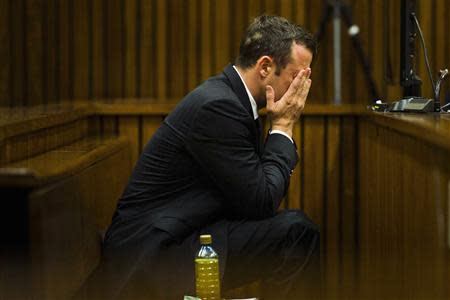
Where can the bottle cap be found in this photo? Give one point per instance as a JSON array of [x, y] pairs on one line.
[[205, 239]]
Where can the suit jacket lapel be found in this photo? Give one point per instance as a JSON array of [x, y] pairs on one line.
[[238, 87]]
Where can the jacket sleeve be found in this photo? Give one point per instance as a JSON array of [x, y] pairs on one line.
[[220, 140]]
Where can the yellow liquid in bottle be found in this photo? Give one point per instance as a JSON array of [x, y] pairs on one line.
[[207, 278]]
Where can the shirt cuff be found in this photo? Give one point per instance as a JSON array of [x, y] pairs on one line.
[[282, 133]]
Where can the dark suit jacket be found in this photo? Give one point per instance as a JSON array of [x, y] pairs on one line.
[[203, 164]]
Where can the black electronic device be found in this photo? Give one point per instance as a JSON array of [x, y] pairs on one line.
[[412, 98], [408, 78], [413, 104]]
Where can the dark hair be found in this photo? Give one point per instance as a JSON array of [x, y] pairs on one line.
[[272, 36]]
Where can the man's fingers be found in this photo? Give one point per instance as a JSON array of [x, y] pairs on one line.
[[303, 79], [304, 92], [270, 96]]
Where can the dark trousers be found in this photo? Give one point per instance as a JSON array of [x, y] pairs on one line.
[[282, 251]]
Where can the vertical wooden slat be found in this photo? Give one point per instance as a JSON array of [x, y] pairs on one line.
[[18, 52], [313, 159], [130, 39], [394, 90], [362, 16], [238, 25], [175, 39], [129, 127], [255, 8], [147, 49], [348, 210], [5, 55], [114, 47], [161, 46], [332, 205], [286, 10], [378, 41], [222, 34], [299, 14], [109, 126], [63, 61], [98, 48], [50, 63], [206, 39], [192, 57], [81, 49], [323, 62], [34, 52]]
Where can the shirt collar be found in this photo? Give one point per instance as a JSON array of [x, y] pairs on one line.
[[252, 100]]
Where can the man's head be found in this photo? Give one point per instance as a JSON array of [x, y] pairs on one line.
[[274, 50]]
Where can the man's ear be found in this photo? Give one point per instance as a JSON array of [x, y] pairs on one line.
[[265, 65]]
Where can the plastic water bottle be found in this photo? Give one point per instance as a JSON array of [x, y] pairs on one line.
[[207, 281]]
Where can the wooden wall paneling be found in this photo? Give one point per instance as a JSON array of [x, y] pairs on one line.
[[80, 49], [397, 207], [95, 125], [378, 41], [299, 13], [98, 45], [130, 41], [114, 48], [348, 60], [332, 181], [419, 223], [17, 53], [238, 13], [206, 45], [146, 49], [193, 59], [34, 52], [348, 185], [5, 54], [313, 160], [269, 6], [149, 126], [286, 10], [293, 197], [445, 209], [394, 91], [129, 127], [321, 68], [109, 125], [50, 41], [366, 190], [361, 16], [64, 50], [176, 34], [222, 35], [162, 50], [255, 8]]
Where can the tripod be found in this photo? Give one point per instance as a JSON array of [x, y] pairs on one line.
[[336, 9]]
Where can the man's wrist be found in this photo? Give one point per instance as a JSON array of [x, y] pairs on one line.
[[286, 130], [276, 131]]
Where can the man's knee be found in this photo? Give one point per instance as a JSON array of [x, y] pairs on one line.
[[297, 227]]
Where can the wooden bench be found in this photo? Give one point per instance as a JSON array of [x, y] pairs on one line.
[[59, 185]]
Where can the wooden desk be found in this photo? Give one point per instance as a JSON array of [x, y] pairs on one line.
[[404, 197]]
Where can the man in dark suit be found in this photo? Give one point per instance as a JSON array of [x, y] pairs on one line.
[[207, 170]]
